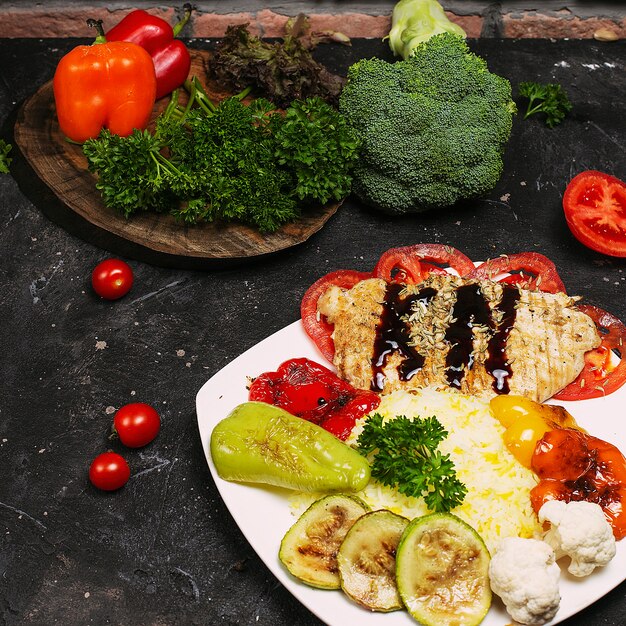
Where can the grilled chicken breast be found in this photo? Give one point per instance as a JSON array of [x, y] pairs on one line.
[[480, 337]]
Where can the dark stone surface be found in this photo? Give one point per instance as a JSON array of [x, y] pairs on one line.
[[164, 550]]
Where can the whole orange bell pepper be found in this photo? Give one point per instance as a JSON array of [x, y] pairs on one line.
[[106, 85]]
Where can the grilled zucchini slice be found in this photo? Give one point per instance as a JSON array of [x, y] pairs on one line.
[[367, 560], [442, 571], [309, 548]]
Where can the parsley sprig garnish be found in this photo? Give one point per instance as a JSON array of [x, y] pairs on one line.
[[549, 99], [405, 456]]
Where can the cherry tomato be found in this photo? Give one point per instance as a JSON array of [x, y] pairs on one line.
[[529, 270], [109, 471], [600, 376], [595, 210], [412, 264], [311, 391], [136, 424], [315, 325], [111, 279]]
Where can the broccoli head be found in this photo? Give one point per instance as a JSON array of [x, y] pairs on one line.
[[433, 127]]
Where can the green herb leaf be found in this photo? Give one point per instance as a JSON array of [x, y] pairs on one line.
[[405, 456], [317, 143], [549, 99], [5, 160]]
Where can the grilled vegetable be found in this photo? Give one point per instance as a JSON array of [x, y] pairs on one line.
[[314, 393], [367, 560], [309, 549], [442, 572], [260, 443]]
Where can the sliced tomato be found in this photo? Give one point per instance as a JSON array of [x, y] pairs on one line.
[[595, 210], [412, 264], [600, 376], [315, 325], [529, 270]]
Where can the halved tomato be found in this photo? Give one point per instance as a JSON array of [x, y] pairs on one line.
[[595, 209], [315, 325], [412, 264], [529, 270], [600, 376]]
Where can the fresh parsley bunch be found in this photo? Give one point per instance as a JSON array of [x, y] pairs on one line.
[[549, 99], [404, 455], [229, 162]]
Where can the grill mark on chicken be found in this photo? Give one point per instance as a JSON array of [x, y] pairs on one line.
[[474, 336]]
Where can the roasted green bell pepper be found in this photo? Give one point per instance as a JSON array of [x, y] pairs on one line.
[[261, 443]]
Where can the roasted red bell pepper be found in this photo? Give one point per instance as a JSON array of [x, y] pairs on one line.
[[170, 56], [311, 391], [106, 85]]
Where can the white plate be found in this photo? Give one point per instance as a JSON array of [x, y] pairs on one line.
[[264, 515]]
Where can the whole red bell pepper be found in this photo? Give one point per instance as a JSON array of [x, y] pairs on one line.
[[170, 56], [105, 85]]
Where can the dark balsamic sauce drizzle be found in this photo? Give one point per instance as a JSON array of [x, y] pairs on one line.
[[496, 363], [471, 308], [392, 335]]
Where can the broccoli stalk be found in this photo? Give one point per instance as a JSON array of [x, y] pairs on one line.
[[415, 21], [433, 127]]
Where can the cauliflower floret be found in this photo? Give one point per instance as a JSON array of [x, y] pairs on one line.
[[579, 530], [524, 573]]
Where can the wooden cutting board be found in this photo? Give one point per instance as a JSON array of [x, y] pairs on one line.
[[152, 237]]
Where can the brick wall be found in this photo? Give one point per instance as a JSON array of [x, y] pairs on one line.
[[517, 19]]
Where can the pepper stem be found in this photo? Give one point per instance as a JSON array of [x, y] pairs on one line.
[[97, 24], [187, 9]]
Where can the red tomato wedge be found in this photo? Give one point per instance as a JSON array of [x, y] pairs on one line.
[[529, 270], [600, 376], [315, 326], [412, 264], [595, 210]]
